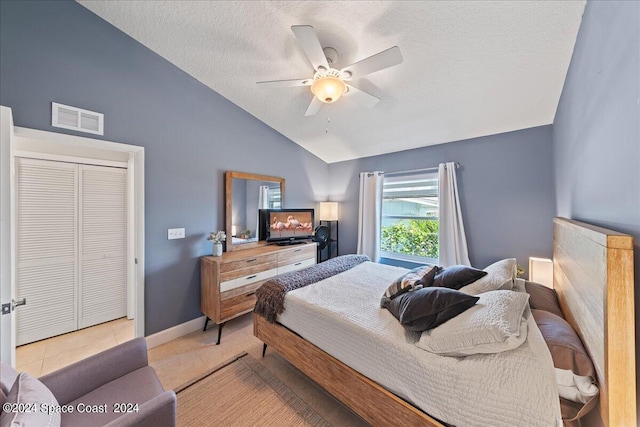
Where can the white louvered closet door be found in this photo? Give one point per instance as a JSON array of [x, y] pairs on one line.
[[103, 245], [46, 248]]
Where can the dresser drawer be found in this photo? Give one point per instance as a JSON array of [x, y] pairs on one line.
[[238, 304], [298, 254], [246, 267], [248, 279], [298, 265]]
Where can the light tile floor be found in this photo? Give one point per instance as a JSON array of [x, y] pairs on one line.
[[183, 359], [42, 357], [190, 356]]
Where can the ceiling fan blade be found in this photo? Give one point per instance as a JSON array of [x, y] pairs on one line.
[[362, 97], [313, 107], [286, 83], [379, 61], [308, 39]]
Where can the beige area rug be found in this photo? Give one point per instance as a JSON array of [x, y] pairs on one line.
[[242, 392]]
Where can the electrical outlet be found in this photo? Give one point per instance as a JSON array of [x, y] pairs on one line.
[[175, 233]]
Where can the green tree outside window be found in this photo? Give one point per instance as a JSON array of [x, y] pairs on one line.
[[418, 237]]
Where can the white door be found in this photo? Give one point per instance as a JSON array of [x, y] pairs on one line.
[[46, 248], [7, 286], [103, 245]]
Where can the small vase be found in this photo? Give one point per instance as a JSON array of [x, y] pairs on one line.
[[217, 249]]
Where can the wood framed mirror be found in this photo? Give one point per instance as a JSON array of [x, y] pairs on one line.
[[245, 193]]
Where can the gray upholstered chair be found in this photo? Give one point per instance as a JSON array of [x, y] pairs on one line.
[[119, 375]]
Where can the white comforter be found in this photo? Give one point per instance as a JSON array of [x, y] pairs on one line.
[[342, 316]]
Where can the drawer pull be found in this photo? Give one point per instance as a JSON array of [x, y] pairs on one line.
[[297, 250], [297, 263], [251, 293], [251, 260], [252, 277]]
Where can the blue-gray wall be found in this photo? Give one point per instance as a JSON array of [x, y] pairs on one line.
[[506, 191], [59, 51], [596, 131]]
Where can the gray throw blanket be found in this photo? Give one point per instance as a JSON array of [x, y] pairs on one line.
[[270, 296]]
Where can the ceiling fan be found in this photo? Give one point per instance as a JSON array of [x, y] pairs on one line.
[[329, 84]]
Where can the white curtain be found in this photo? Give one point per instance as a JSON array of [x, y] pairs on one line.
[[453, 241], [370, 214], [263, 203], [263, 197]]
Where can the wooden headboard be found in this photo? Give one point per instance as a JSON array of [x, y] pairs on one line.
[[593, 275]]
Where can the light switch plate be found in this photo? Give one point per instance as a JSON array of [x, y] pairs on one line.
[[175, 233]]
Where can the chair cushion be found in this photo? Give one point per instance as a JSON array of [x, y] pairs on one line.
[[8, 376], [37, 400], [139, 387]]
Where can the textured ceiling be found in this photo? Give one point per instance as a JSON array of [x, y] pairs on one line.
[[471, 68]]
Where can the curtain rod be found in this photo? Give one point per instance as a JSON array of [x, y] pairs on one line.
[[435, 168]]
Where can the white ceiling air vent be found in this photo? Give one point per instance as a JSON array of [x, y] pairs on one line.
[[67, 117]]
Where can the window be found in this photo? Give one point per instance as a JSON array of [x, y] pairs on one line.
[[410, 217]]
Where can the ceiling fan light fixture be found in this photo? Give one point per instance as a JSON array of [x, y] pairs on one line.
[[328, 86]]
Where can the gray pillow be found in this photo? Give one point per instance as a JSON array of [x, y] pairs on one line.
[[29, 391], [543, 298], [427, 308], [413, 279], [457, 276]]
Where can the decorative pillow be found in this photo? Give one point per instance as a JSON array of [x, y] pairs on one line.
[[574, 370], [28, 390], [518, 286], [427, 308], [500, 276], [457, 276], [543, 298], [495, 324], [407, 282]]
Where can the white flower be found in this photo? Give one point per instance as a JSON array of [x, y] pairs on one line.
[[217, 236]]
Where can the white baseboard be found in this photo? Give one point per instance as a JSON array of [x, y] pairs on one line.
[[174, 332]]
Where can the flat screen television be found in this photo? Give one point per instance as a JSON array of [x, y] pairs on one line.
[[286, 225]]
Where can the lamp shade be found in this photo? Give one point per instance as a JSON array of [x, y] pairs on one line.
[[328, 211], [328, 89]]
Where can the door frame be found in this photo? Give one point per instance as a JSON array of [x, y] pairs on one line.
[[76, 147], [8, 330]]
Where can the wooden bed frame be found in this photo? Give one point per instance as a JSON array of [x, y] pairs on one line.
[[593, 274]]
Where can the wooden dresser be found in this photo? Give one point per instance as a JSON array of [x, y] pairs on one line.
[[228, 283]]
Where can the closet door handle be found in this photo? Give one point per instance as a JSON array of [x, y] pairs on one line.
[[18, 303]]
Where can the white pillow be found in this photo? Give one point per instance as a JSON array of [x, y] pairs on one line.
[[575, 387], [495, 324], [500, 275], [518, 285]]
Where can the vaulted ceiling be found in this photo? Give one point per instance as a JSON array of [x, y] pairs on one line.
[[471, 68]]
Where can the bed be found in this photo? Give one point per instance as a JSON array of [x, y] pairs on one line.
[[593, 268]]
